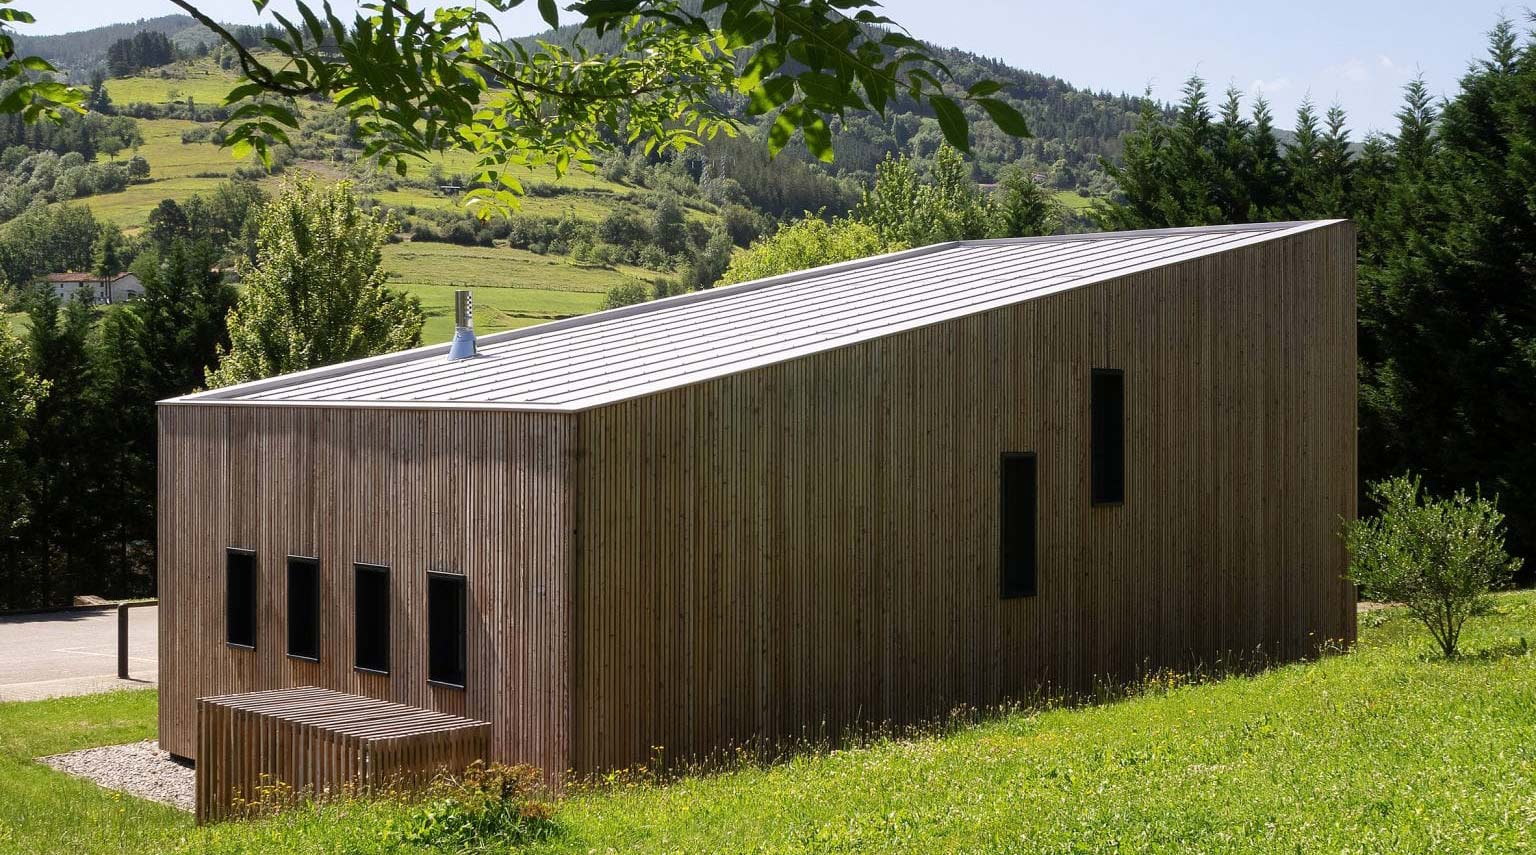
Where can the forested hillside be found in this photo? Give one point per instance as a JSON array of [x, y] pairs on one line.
[[81, 52]]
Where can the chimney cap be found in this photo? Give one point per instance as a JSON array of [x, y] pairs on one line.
[[463, 346]]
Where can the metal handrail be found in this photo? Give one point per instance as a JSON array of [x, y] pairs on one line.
[[122, 634]]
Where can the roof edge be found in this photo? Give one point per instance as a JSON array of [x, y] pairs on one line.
[[221, 395], [230, 395]]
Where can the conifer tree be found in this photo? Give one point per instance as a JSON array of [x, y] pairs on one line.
[[1301, 163], [1335, 167], [1234, 160], [1192, 159], [1452, 305], [20, 392], [1143, 178], [182, 315], [60, 450], [1023, 208], [123, 410], [1266, 177]]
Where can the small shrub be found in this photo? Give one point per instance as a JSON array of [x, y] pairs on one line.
[[1439, 557], [489, 808], [627, 294]]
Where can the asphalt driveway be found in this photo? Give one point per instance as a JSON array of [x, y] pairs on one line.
[[74, 653]]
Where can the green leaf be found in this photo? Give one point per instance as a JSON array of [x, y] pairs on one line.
[[983, 88], [549, 12], [818, 137], [1010, 120], [952, 122]]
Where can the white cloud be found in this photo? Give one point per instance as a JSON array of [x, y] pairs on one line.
[[1269, 87], [1354, 70], [1385, 62]]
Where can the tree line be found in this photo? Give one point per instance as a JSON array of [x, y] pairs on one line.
[[78, 387], [1447, 255]]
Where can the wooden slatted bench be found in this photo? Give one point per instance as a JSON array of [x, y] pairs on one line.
[[306, 742]]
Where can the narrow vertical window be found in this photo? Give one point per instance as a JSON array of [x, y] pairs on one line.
[[304, 607], [1108, 475], [240, 597], [1017, 519], [445, 628], [371, 617]]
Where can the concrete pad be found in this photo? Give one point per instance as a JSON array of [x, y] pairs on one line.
[[74, 653]]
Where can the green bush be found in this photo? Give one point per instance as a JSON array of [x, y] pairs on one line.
[[489, 808], [1438, 557]]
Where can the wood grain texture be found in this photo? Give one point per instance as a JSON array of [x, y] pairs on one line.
[[484, 494], [783, 553], [268, 749]]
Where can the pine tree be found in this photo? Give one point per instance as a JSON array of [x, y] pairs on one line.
[[1335, 167], [182, 316], [1142, 178], [315, 295], [123, 409], [1451, 303], [61, 450], [1234, 160], [1023, 208], [1302, 163], [1266, 177], [1192, 160], [109, 255], [20, 392]]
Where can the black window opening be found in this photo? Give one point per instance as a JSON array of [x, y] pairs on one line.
[[240, 597], [371, 614], [304, 608], [1018, 508], [445, 629], [1108, 460]]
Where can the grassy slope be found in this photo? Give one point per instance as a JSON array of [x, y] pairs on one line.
[[1381, 750], [513, 288]]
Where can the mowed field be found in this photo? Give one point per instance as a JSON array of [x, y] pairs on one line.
[[512, 288]]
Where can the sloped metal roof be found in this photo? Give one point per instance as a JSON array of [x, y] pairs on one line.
[[624, 353]]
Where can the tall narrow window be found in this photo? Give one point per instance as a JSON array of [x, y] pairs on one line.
[[303, 607], [445, 628], [1108, 436], [1017, 522], [372, 617], [240, 597]]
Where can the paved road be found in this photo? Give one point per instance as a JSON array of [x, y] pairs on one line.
[[73, 653]]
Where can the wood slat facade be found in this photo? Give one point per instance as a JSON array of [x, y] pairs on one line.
[[786, 551], [270, 749]]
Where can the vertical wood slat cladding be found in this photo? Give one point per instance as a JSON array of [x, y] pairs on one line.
[[317, 743], [485, 494], [783, 552]]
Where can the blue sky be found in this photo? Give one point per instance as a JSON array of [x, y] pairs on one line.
[[1357, 52]]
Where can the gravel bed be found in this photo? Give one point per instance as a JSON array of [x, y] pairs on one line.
[[140, 768]]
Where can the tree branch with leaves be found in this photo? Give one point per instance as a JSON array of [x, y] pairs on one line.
[[417, 81]]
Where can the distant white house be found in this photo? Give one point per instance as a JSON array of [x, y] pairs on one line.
[[122, 288]]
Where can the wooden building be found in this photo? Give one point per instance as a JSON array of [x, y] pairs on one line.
[[867, 492]]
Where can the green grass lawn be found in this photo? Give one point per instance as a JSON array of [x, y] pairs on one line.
[[1384, 749]]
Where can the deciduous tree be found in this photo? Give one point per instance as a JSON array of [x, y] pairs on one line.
[[315, 294]]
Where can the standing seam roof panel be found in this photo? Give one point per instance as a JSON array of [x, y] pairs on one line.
[[638, 350]]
